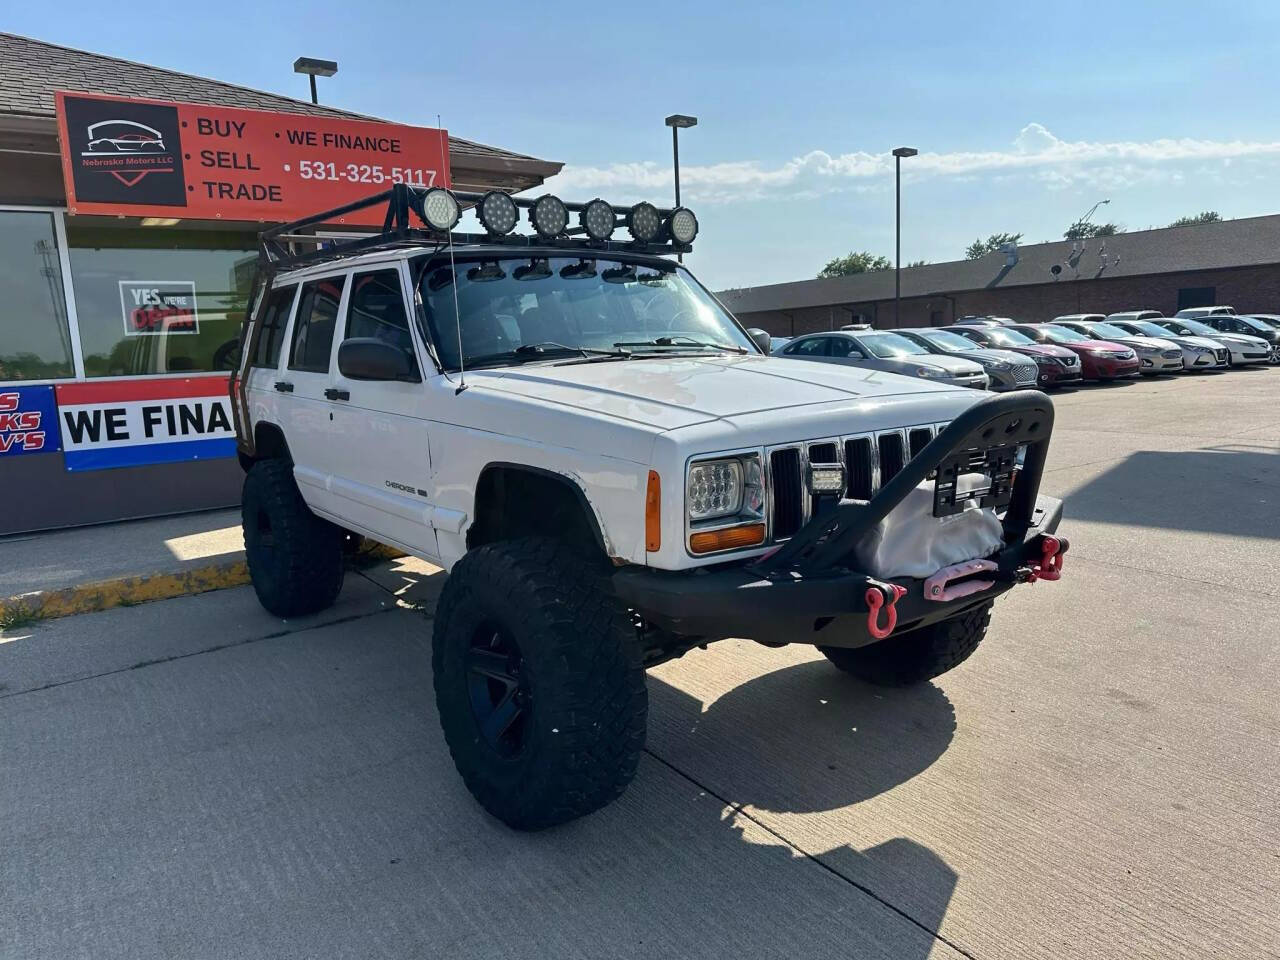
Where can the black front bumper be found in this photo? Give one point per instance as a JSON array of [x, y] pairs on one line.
[[806, 593]]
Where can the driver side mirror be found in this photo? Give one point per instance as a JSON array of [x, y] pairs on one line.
[[367, 358], [761, 339]]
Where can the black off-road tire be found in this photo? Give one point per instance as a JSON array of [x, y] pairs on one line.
[[579, 664], [294, 557], [910, 658]]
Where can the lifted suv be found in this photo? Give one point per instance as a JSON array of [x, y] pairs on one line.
[[613, 471]]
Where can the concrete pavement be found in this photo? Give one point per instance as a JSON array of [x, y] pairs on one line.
[[196, 778]]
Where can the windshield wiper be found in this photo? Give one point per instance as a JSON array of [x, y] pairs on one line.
[[681, 341], [537, 349], [530, 352]]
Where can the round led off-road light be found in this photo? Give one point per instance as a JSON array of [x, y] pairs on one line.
[[440, 210], [598, 220], [683, 225], [644, 222], [550, 216], [498, 212]]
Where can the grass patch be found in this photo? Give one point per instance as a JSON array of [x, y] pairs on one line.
[[19, 615]]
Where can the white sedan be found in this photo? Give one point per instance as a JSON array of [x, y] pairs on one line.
[[1198, 353], [1241, 349]]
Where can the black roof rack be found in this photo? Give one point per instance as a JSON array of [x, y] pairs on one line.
[[397, 232]]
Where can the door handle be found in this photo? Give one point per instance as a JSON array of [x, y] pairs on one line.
[[333, 393], [284, 386]]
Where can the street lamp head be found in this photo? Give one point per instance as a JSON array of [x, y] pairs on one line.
[[680, 120], [316, 68], [905, 151]]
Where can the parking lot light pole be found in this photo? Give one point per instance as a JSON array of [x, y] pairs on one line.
[[315, 68], [675, 122], [898, 154]]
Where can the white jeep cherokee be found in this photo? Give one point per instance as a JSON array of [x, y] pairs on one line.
[[613, 471]]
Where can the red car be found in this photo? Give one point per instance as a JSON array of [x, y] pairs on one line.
[[1055, 365], [1099, 359]]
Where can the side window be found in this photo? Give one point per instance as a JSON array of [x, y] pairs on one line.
[[813, 347], [844, 347], [275, 317], [313, 327], [376, 309]]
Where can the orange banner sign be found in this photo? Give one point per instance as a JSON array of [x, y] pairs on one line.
[[150, 158]]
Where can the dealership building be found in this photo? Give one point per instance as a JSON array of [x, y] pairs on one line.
[[1234, 262], [130, 201]]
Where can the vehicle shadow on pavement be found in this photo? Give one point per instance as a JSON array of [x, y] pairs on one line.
[[1154, 488]]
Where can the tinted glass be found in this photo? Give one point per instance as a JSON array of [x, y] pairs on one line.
[[376, 309], [813, 347], [158, 299], [314, 325], [1000, 337], [946, 340], [886, 345], [275, 317], [564, 305], [1056, 334], [35, 343], [1106, 331], [844, 347]]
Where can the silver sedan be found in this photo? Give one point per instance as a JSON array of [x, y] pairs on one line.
[[882, 350], [1005, 369]]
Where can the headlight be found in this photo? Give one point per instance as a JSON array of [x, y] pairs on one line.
[[727, 487], [998, 365], [929, 372]]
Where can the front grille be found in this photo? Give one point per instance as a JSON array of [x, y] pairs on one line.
[[1220, 356], [788, 492], [860, 470], [1070, 361], [919, 438], [892, 456], [1023, 374]]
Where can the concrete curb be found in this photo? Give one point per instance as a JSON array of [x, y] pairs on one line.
[[143, 588]]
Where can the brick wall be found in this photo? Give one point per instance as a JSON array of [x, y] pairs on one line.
[[1248, 289]]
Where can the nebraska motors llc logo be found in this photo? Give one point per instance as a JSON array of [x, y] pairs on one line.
[[123, 152]]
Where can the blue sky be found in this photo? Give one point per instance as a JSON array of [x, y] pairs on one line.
[[1025, 114]]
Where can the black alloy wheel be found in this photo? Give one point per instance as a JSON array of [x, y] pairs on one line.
[[498, 689]]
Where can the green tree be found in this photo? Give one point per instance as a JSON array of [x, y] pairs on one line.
[[916, 263], [980, 248], [1082, 231], [859, 261], [1207, 216]]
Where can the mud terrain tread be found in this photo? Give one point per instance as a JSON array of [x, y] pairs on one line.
[[918, 656], [303, 573], [590, 701]]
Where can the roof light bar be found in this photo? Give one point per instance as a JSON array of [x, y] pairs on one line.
[[683, 225], [644, 222], [549, 216], [598, 219], [498, 213], [440, 210]]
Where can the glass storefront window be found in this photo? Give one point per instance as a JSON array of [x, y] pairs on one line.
[[35, 342], [158, 299]]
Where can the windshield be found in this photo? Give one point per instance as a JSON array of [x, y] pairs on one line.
[[946, 340], [889, 345], [1056, 334], [1149, 328], [1195, 326], [1257, 323], [1107, 331], [1006, 338], [518, 310]]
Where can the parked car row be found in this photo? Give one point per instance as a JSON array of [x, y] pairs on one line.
[[999, 353]]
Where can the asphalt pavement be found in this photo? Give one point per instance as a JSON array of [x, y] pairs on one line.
[[195, 778]]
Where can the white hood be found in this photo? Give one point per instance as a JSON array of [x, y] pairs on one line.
[[670, 393]]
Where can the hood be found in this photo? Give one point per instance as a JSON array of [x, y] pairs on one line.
[[1111, 345], [666, 393], [1139, 344], [1011, 357], [1044, 350], [1242, 339], [1194, 341], [948, 362]]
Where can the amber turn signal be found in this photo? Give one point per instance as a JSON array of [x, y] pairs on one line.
[[653, 513], [732, 538]]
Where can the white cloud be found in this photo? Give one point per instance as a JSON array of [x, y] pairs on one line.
[[1034, 151]]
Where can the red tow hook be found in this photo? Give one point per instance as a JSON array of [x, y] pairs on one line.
[[876, 600], [1052, 551]]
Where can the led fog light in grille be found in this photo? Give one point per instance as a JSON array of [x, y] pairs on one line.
[[598, 220], [826, 479], [715, 489], [498, 212], [550, 216], [644, 222], [683, 225], [440, 209]]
